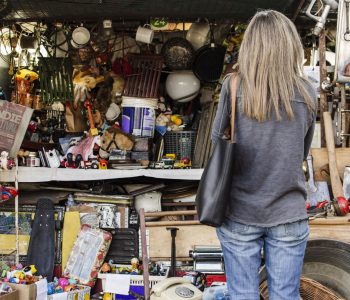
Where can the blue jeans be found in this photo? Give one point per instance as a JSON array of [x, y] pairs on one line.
[[284, 249]]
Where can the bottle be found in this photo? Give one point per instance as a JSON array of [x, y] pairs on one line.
[[70, 201], [2, 94]]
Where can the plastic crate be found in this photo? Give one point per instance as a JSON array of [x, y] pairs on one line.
[[181, 143], [136, 280], [83, 293]]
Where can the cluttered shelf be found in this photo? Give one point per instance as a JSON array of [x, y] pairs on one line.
[[33, 174]]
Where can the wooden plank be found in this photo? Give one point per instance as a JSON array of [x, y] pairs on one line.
[[171, 213], [331, 221], [320, 160], [187, 237], [337, 187], [334, 232]]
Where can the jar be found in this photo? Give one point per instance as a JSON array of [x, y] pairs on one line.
[[37, 103], [29, 100], [33, 160]]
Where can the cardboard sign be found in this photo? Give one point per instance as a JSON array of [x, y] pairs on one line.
[[14, 120]]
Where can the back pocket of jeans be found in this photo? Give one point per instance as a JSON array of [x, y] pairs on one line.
[[297, 229], [236, 227]]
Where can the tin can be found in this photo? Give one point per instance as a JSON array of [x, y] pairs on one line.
[[33, 160]]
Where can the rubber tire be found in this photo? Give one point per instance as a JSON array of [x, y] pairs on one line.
[[328, 262]]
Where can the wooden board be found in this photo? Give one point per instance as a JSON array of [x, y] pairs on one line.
[[187, 237], [320, 159], [334, 232], [201, 235], [71, 229], [8, 242]]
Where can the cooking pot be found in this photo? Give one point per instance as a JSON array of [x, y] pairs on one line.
[[198, 34], [80, 37]]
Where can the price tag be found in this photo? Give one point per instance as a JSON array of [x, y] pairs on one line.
[[159, 24]]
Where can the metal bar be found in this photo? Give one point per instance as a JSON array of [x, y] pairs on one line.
[[154, 80], [144, 254], [323, 77], [172, 223], [297, 11], [148, 79], [16, 213], [343, 118]]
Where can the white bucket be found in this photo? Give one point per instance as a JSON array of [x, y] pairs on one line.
[[139, 116]]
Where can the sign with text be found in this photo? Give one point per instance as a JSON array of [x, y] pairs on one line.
[[14, 120]]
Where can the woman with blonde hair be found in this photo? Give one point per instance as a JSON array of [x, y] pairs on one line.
[[274, 125]]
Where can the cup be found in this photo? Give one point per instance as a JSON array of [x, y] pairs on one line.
[[145, 34]]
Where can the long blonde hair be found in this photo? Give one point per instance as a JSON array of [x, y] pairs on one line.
[[270, 67]]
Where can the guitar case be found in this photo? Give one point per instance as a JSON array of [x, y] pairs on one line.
[[41, 250]]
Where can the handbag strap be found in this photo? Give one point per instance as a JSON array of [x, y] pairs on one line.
[[235, 80]]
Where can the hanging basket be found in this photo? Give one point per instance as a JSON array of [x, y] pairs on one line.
[[309, 290]]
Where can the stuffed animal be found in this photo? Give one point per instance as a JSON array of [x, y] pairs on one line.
[[118, 88], [115, 138], [84, 81], [4, 160]]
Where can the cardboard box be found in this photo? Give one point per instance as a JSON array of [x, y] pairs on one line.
[[25, 292], [11, 296]]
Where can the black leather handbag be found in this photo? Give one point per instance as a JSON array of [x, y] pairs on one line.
[[215, 185]]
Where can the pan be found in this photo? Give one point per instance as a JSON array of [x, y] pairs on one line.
[[178, 53], [208, 62]]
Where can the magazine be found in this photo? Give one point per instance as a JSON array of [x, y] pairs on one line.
[[14, 120]]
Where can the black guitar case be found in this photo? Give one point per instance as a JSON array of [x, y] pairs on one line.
[[41, 250]]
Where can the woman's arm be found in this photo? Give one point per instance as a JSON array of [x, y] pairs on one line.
[[310, 133], [308, 139], [222, 117]]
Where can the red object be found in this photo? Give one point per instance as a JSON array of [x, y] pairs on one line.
[[122, 67], [57, 271], [12, 191], [186, 160], [308, 205], [322, 204], [343, 206], [215, 278]]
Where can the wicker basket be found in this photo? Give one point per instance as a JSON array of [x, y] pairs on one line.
[[181, 143], [309, 290]]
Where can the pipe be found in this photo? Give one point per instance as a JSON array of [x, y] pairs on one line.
[[321, 20]]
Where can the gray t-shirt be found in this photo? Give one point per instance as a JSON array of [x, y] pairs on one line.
[[268, 185]]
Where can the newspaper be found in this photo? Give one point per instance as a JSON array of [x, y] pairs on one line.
[[14, 120]]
